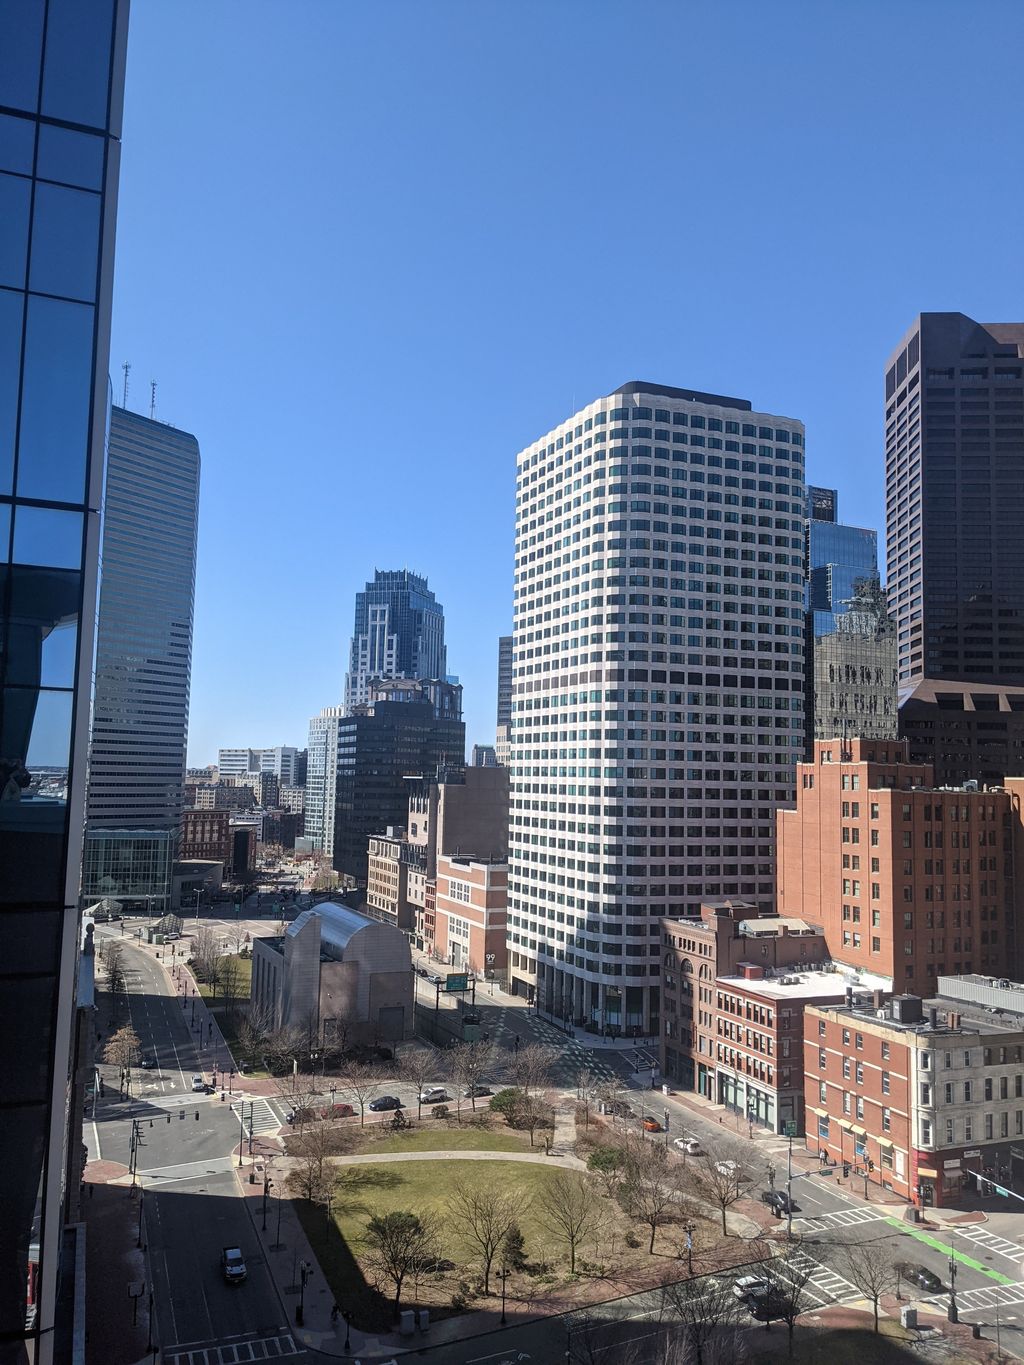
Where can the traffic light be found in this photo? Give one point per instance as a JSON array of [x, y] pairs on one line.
[[871, 1165], [846, 1170]]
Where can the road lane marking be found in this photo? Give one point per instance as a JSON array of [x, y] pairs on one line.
[[948, 1250]]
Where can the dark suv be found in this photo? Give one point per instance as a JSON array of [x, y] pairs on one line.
[[778, 1201]]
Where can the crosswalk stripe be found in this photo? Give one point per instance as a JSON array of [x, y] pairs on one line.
[[235, 1353], [264, 1117]]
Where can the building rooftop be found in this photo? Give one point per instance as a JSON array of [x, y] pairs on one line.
[[774, 925], [939, 1015], [793, 983]]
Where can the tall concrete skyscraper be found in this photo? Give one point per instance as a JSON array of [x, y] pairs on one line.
[[658, 684], [954, 458], [61, 87], [143, 661], [398, 633]]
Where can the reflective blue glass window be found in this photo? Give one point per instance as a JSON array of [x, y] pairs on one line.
[[74, 158], [47, 536], [11, 309], [65, 241], [76, 71], [17, 141], [5, 530], [43, 628], [55, 420], [21, 23], [14, 202]]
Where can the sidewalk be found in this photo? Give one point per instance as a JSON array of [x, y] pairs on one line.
[[115, 1268]]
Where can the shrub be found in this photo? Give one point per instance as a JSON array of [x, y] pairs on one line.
[[506, 1102]]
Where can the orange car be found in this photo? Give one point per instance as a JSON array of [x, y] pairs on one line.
[[652, 1126]]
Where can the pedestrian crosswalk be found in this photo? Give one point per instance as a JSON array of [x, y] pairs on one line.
[[841, 1218], [822, 1284], [240, 1352], [572, 1054], [979, 1300], [258, 1113], [1013, 1251]]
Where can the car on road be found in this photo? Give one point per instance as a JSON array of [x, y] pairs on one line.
[[232, 1265], [751, 1287], [774, 1304], [476, 1091], [778, 1201], [422, 971], [727, 1168], [471, 1016], [919, 1276], [652, 1126], [199, 1085], [435, 1094], [688, 1145], [434, 979], [148, 1063], [383, 1102]]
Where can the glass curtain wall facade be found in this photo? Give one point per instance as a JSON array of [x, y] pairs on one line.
[[838, 557], [61, 88], [398, 633], [143, 644], [658, 702]]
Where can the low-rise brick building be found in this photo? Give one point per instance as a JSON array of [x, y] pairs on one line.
[[470, 914], [919, 1094]]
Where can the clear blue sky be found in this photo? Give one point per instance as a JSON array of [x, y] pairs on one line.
[[370, 251]]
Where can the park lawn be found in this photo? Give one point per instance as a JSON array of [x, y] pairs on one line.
[[438, 1137], [243, 984]]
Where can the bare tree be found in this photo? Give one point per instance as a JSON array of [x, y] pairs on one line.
[[571, 1210], [720, 1183], [707, 1309], [364, 1083], [123, 1051], [254, 1030], [650, 1187], [237, 936], [485, 1217], [230, 973], [397, 1243], [206, 954], [533, 1110], [872, 1273], [530, 1068], [419, 1066], [468, 1065], [314, 1176], [587, 1091], [613, 1095], [112, 957], [787, 1286]]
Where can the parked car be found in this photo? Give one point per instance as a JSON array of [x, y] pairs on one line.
[[435, 1094], [773, 1304], [475, 1091], [778, 1201], [750, 1287], [919, 1276], [422, 971], [337, 1111], [148, 1063], [434, 979], [232, 1265], [688, 1145], [651, 1125], [384, 1102], [199, 1085]]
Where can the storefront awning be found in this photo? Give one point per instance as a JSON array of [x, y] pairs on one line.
[[884, 1142], [927, 1170], [861, 1132], [818, 1113]]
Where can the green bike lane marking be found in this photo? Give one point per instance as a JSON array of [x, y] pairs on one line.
[[946, 1250]]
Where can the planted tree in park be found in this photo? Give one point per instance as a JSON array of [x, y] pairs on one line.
[[123, 1051], [485, 1217], [397, 1243], [571, 1211], [871, 1271]]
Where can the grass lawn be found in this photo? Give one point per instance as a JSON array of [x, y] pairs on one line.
[[438, 1137], [841, 1346], [243, 983]]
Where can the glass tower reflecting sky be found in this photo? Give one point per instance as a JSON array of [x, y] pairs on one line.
[[398, 633], [837, 557], [61, 86]]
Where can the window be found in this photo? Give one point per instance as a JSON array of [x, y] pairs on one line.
[[858, 1038], [860, 1073], [846, 1068], [847, 1102], [846, 1037], [926, 1061], [885, 1083], [885, 1052], [821, 1059], [968, 1130], [949, 1132], [967, 1092], [926, 1094], [886, 1120], [821, 1028], [948, 1092], [988, 1128], [988, 1087], [860, 1106], [926, 1132]]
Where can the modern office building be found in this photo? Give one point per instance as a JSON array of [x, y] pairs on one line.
[[321, 779], [143, 652], [504, 680], [971, 732], [658, 684], [284, 761], [838, 558], [379, 749], [483, 756], [909, 881], [954, 454], [398, 633], [238, 762], [61, 86], [853, 671]]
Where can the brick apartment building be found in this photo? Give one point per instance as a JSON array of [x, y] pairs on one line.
[[387, 878], [206, 836], [735, 984], [919, 1094], [910, 882], [470, 914]]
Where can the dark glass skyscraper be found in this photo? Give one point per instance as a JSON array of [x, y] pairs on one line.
[[954, 460], [838, 557], [61, 86], [398, 633]]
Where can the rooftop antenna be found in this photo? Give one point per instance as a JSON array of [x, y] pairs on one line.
[[127, 370], [152, 398]]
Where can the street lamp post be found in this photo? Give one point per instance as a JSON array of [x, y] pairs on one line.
[[952, 1313], [789, 1191], [348, 1319], [503, 1275], [241, 1130], [268, 1185], [689, 1229]]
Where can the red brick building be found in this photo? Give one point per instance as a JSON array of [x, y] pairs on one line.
[[909, 882], [470, 914], [206, 836]]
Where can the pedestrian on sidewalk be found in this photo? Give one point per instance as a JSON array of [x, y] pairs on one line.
[[335, 1312]]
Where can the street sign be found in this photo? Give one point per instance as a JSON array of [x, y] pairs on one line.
[[488, 957], [456, 981], [789, 1128]]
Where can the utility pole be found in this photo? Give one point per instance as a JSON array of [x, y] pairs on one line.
[[952, 1313], [789, 1186]]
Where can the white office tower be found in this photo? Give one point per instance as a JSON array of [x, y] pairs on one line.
[[322, 779], [657, 685]]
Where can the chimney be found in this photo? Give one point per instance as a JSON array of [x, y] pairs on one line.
[[952, 1020], [933, 1017], [849, 997], [877, 999]]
